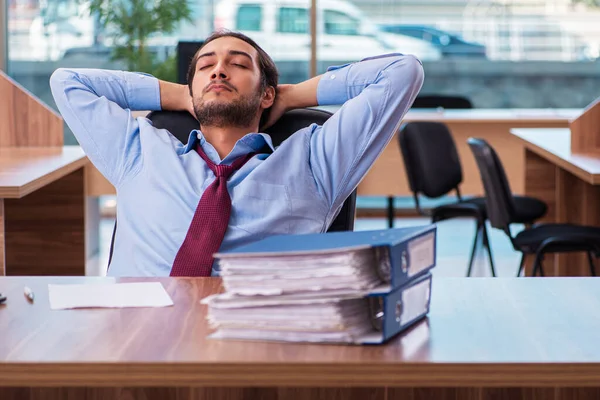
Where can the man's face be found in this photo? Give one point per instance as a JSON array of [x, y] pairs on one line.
[[226, 88]]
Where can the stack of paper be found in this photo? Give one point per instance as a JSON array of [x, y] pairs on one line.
[[341, 287], [320, 319], [280, 274]]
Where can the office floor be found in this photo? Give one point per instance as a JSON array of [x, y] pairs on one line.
[[455, 238]]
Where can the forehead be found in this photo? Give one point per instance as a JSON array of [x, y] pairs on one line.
[[223, 45]]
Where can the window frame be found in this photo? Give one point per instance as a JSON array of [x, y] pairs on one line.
[[3, 35]]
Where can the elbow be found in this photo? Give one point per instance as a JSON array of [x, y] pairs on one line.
[[60, 76], [407, 78], [413, 70], [60, 81], [56, 80]]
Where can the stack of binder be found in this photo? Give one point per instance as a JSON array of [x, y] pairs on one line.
[[344, 287]]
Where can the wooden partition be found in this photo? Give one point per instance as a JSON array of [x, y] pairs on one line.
[[585, 129], [42, 203], [25, 120]]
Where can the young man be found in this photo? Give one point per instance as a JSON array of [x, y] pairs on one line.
[[173, 199]]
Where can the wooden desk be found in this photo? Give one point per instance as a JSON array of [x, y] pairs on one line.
[[569, 183], [42, 211], [500, 338], [387, 176]]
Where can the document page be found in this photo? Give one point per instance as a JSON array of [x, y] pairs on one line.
[[110, 295]]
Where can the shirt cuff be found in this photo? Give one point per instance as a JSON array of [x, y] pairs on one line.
[[333, 86], [143, 91]]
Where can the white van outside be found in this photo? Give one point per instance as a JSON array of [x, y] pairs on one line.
[[344, 33]]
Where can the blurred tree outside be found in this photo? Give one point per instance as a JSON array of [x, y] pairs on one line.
[[131, 23]]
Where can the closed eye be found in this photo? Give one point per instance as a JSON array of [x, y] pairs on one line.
[[204, 67], [240, 65]]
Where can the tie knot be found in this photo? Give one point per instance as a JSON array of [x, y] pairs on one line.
[[222, 170]]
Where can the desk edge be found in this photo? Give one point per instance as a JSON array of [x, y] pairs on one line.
[[300, 374], [17, 192]]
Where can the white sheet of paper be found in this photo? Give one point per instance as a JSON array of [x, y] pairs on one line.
[[111, 295]]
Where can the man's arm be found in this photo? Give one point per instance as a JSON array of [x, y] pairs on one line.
[[375, 93], [97, 105]]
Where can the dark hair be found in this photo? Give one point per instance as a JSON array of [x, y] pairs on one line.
[[268, 70]]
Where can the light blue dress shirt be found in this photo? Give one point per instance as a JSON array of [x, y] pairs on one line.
[[299, 188]]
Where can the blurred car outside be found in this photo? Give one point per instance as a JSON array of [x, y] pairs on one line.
[[450, 45]]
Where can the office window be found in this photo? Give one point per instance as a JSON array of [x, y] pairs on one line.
[[293, 20], [3, 34], [249, 18], [508, 54], [338, 23]]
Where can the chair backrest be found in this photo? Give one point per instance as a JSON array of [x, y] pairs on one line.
[[498, 196], [430, 158], [443, 101]]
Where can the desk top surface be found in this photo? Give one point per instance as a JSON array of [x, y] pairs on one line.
[[480, 331], [554, 144], [487, 115], [26, 169]]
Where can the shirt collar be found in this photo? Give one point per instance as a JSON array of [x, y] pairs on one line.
[[251, 142]]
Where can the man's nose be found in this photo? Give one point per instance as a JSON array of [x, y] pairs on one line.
[[219, 72]]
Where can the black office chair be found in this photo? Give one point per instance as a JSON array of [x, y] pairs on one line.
[[443, 101], [539, 239], [430, 101], [180, 124], [433, 170]]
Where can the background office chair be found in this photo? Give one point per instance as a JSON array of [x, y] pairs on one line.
[[430, 101], [435, 101], [433, 169], [180, 124], [539, 239]]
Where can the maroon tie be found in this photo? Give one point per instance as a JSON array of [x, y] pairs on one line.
[[207, 230]]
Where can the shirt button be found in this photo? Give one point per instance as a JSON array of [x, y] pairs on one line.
[[332, 76]]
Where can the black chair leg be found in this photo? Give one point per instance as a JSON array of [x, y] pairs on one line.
[[591, 261], [390, 211], [486, 244], [537, 265], [474, 249], [521, 265]]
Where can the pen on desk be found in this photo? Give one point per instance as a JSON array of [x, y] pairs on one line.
[[28, 293]]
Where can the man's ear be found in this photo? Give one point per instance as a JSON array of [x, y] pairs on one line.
[[268, 97]]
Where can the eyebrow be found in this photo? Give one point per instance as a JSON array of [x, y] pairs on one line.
[[231, 53]]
